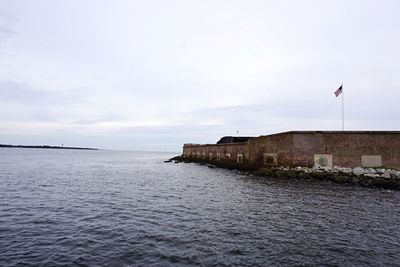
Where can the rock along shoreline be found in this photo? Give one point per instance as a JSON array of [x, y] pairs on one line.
[[369, 177]]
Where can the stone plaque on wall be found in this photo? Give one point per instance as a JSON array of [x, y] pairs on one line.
[[323, 160], [270, 159], [371, 161]]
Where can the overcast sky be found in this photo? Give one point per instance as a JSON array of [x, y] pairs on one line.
[[152, 75]]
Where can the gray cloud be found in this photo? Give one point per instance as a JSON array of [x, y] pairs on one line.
[[17, 92], [153, 75], [8, 19]]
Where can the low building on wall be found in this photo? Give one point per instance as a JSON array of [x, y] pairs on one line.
[[303, 148]]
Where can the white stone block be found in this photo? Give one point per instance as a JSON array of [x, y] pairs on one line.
[[323, 160], [371, 161], [358, 171]]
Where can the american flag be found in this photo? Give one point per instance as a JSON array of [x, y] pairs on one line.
[[339, 91]]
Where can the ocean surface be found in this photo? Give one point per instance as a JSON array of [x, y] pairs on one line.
[[111, 208]]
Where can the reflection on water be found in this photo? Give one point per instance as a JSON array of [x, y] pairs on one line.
[[107, 208]]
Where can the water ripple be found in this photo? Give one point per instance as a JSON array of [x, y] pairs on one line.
[[105, 208]]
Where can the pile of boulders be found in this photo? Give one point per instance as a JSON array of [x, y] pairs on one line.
[[374, 177], [379, 177], [176, 159]]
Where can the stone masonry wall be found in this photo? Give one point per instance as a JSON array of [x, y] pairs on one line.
[[271, 150], [303, 148], [348, 148], [227, 155]]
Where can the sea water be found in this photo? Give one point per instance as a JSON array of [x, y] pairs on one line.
[[113, 208]]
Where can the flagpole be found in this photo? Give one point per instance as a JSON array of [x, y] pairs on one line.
[[342, 108]]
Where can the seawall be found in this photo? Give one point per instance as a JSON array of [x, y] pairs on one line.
[[306, 149], [369, 158]]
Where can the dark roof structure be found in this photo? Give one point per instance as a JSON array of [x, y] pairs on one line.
[[233, 139]]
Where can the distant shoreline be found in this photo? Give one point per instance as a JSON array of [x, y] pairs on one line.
[[47, 147]]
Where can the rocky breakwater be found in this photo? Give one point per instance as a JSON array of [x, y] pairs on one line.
[[176, 159], [371, 177]]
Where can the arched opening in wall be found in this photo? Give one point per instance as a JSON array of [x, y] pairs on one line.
[[210, 156], [228, 156], [218, 156], [204, 155], [323, 160], [239, 158], [270, 159]]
